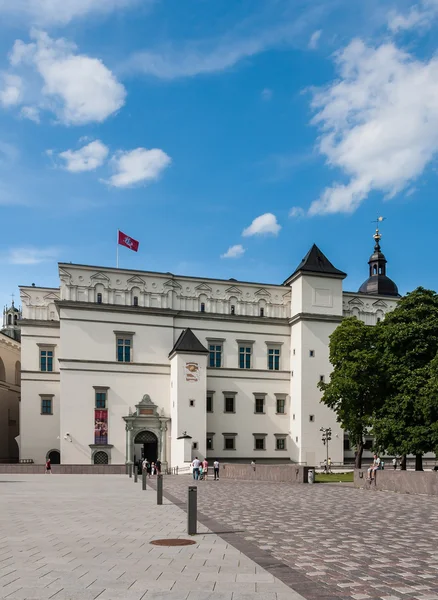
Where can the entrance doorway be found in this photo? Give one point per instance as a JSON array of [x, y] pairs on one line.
[[55, 457], [145, 446]]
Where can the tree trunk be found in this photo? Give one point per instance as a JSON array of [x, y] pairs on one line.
[[358, 455], [403, 463], [418, 462]]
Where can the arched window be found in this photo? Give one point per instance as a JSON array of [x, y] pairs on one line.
[[2, 371], [375, 270], [100, 458], [9, 319], [17, 373], [380, 270], [262, 312], [99, 298], [233, 309], [202, 306], [135, 301], [15, 319], [55, 457]]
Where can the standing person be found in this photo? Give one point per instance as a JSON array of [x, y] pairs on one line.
[[158, 467], [324, 464], [148, 468], [48, 467], [196, 464], [216, 470], [253, 465], [144, 465], [329, 465], [153, 469], [394, 463], [205, 467]]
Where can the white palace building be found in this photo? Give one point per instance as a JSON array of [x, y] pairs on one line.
[[120, 364]]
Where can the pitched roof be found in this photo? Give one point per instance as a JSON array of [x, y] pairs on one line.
[[188, 342], [316, 262]]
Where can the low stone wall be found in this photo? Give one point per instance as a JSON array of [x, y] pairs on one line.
[[404, 482], [64, 469], [277, 473]]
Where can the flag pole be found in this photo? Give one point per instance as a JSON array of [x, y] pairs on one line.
[[117, 251]]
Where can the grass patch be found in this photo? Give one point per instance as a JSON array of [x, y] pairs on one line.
[[333, 477]]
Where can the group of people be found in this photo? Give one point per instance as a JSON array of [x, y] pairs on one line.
[[200, 469], [151, 468], [327, 464]]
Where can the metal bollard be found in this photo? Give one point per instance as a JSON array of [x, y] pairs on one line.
[[143, 479], [160, 489], [126, 469], [130, 469], [192, 510], [135, 474]]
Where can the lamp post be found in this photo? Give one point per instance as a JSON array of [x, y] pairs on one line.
[[326, 437]]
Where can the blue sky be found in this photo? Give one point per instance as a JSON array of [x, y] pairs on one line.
[[227, 137]]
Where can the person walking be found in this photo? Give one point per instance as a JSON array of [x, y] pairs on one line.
[[148, 468], [216, 470], [394, 463], [205, 467], [158, 467], [329, 465], [48, 467], [144, 465], [196, 464]]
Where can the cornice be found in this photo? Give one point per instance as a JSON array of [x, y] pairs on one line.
[[39, 323], [315, 317]]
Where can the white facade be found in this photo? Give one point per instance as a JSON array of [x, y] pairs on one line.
[[257, 409]]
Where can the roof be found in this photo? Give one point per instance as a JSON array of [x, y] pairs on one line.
[[316, 262], [188, 342]]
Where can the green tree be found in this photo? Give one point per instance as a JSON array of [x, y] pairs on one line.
[[354, 389], [408, 343]]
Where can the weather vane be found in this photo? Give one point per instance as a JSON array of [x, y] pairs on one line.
[[377, 235]]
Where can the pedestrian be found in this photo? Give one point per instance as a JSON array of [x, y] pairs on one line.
[[253, 465], [216, 470], [201, 472], [324, 464], [329, 465], [48, 467], [148, 468], [144, 465], [153, 469], [196, 464], [158, 467], [205, 467]]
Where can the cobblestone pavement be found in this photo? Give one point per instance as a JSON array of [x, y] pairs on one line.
[[68, 537], [339, 542]]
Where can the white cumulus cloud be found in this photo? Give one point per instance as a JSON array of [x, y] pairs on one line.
[[378, 122], [420, 16], [31, 255], [11, 89], [234, 252], [87, 158], [314, 39], [78, 88], [263, 225], [138, 166]]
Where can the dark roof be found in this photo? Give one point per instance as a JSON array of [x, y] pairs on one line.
[[379, 285], [188, 342], [316, 262]]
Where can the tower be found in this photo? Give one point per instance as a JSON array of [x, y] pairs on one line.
[[11, 322], [378, 284], [316, 311]]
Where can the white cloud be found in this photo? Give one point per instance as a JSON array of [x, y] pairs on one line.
[[314, 39], [87, 158], [419, 16], [138, 166], [31, 256], [79, 89], [263, 225], [266, 94], [30, 112], [11, 89], [234, 252], [60, 12], [379, 123], [296, 212]]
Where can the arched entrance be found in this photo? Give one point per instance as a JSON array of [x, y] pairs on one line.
[[55, 457], [145, 446]]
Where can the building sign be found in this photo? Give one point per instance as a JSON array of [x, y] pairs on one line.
[[192, 371], [146, 411], [101, 427]]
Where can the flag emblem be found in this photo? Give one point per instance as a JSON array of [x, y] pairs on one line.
[[128, 242]]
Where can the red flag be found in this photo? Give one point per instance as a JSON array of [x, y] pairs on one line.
[[129, 242]]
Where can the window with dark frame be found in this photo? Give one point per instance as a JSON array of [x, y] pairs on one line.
[[46, 406], [202, 307], [46, 360], [135, 301], [99, 298], [262, 312], [312, 353], [312, 418], [209, 443], [124, 346], [245, 357], [346, 444], [229, 404], [230, 443], [280, 443], [215, 355], [209, 404], [281, 406], [259, 443], [100, 399], [260, 405], [274, 359], [233, 309]]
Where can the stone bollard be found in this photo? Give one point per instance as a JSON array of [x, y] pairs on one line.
[[143, 479], [192, 510], [135, 474], [159, 489], [130, 469]]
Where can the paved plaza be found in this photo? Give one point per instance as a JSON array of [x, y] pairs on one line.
[[337, 541], [81, 537]]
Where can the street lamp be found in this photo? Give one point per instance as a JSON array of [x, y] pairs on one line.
[[326, 437]]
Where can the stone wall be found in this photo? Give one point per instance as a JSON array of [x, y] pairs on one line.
[[65, 469], [404, 482], [277, 473]]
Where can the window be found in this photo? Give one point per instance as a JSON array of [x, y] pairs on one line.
[[124, 346], [280, 442], [259, 441], [210, 404], [9, 319], [195, 445], [99, 298], [229, 404], [46, 359], [274, 359], [262, 312], [368, 445], [346, 444], [296, 439], [100, 400], [378, 319], [293, 352], [100, 458], [281, 405], [259, 404], [135, 302], [209, 442], [215, 357], [233, 309], [312, 353], [321, 378], [192, 402], [245, 357], [312, 418], [229, 441], [46, 405], [202, 306]]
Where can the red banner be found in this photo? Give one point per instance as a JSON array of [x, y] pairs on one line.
[[129, 242], [101, 427]]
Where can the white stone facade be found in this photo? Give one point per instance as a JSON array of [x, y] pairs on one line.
[[254, 412], [10, 368]]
